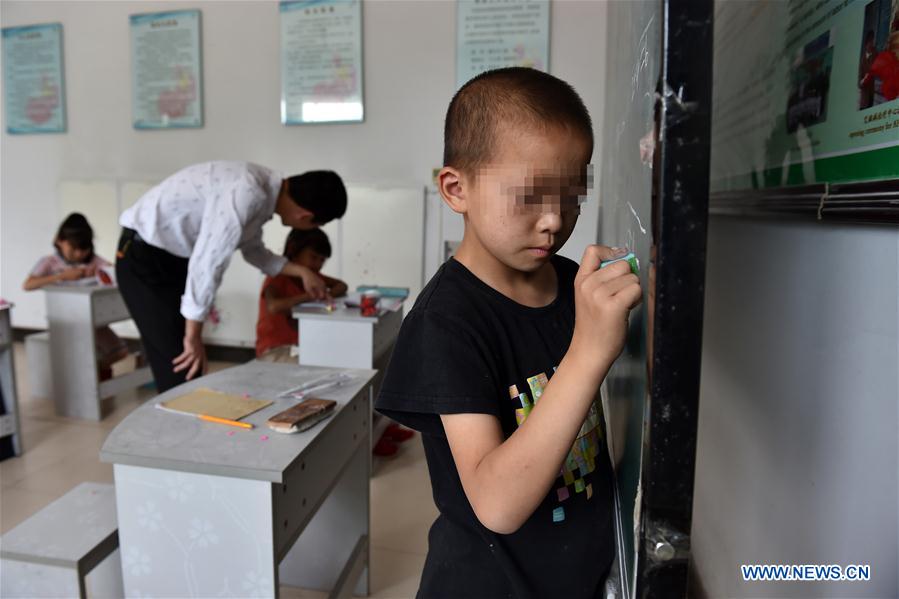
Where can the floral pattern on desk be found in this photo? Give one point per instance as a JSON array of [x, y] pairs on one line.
[[194, 535]]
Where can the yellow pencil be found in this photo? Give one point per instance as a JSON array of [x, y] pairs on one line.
[[225, 421]]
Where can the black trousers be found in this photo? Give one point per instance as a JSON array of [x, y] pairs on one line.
[[151, 282]]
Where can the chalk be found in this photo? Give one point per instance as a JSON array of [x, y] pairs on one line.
[[230, 433], [630, 258], [263, 438]]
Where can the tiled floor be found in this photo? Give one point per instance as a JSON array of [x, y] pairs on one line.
[[59, 453]]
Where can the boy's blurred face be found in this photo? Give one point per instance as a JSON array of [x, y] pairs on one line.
[[71, 253], [523, 206], [311, 259]]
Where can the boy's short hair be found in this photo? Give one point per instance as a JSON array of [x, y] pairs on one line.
[[298, 240], [516, 96], [320, 192]]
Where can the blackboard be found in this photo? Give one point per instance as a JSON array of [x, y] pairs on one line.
[[654, 200]]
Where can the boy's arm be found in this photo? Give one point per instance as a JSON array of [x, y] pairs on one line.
[[275, 304], [312, 282], [505, 480], [336, 287]]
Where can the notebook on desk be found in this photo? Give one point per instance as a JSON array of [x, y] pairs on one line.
[[209, 402]]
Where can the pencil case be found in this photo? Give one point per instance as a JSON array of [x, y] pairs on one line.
[[302, 416]]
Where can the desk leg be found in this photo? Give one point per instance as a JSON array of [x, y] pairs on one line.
[[334, 546], [194, 535], [73, 356]]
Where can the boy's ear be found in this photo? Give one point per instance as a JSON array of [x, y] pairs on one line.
[[454, 188]]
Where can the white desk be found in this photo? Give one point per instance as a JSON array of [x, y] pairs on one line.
[[73, 314], [210, 510], [9, 421], [344, 338]]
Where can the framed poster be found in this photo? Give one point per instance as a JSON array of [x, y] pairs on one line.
[[166, 70], [33, 81], [321, 61], [805, 93], [492, 34]]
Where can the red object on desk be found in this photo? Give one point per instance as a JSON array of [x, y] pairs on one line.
[[369, 303]]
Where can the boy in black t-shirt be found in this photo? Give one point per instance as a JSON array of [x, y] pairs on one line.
[[499, 362]]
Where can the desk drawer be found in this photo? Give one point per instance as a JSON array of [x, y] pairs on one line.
[[109, 307], [311, 478]]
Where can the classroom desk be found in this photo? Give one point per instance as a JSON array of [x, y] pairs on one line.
[[73, 314], [344, 338], [9, 420], [207, 509]]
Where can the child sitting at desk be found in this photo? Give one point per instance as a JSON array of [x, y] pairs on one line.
[[276, 329], [75, 263]]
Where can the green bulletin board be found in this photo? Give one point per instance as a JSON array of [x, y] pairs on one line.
[[805, 91]]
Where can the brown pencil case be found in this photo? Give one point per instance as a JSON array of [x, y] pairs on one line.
[[302, 416]]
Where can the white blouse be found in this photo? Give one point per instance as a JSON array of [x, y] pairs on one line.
[[205, 212]]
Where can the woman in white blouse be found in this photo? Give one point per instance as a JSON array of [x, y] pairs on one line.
[[177, 241]]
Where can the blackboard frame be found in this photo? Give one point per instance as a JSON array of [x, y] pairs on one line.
[[680, 207]]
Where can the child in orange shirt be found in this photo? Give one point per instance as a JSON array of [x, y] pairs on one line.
[[276, 329]]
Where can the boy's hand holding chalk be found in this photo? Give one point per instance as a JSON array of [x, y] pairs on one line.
[[630, 258], [606, 288]]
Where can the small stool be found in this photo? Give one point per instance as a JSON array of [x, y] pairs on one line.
[[37, 358], [51, 553]]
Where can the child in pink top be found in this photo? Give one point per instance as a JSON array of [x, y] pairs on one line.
[[75, 263]]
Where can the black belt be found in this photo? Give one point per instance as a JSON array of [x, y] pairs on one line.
[[129, 237], [132, 236]]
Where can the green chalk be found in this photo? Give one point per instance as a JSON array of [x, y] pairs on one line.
[[630, 258]]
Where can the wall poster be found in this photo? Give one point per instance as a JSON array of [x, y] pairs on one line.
[[321, 61], [33, 81], [167, 69], [492, 34]]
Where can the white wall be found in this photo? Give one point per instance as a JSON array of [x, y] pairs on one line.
[[797, 457], [409, 61]]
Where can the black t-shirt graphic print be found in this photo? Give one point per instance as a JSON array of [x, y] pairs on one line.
[[466, 348], [581, 460]]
